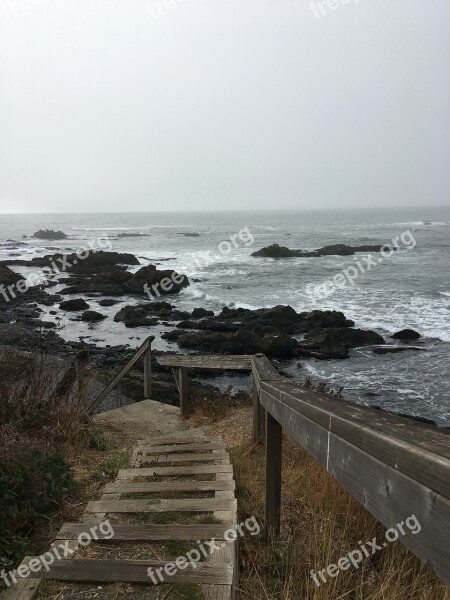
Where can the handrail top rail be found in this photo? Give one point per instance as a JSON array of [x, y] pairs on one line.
[[321, 408], [207, 361]]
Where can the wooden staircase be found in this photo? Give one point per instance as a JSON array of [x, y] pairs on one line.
[[157, 470]]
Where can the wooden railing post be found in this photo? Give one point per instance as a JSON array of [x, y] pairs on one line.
[[258, 416], [274, 444], [148, 374], [184, 391], [119, 395]]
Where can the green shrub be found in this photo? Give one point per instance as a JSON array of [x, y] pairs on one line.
[[30, 488]]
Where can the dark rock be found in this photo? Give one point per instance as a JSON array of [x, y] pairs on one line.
[[131, 235], [107, 302], [49, 234], [284, 318], [406, 335], [397, 349], [200, 313], [92, 316], [8, 277], [137, 316], [242, 341], [74, 305], [173, 336], [335, 342], [152, 282], [40, 324], [277, 251]]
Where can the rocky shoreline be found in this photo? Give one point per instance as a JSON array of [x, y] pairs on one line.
[[279, 332]]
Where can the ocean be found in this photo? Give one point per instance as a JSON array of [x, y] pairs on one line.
[[410, 288]]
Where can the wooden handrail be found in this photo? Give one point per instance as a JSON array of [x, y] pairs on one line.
[[144, 349], [180, 363], [75, 372], [393, 466]]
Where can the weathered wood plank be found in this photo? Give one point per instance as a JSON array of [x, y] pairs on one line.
[[189, 438], [227, 554], [148, 374], [174, 471], [309, 434], [159, 506], [149, 533], [392, 498], [161, 459], [175, 448], [134, 571], [388, 494], [258, 416], [168, 486], [274, 444], [388, 438], [184, 391], [212, 361], [110, 387]]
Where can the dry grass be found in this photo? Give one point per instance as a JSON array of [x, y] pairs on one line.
[[321, 522], [47, 444]]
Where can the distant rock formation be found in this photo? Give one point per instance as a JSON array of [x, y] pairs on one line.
[[49, 234], [277, 251]]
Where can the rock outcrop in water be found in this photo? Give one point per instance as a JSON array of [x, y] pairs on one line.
[[270, 331], [153, 282], [406, 335], [277, 251], [49, 234]]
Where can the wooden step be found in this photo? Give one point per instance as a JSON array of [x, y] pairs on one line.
[[151, 487], [175, 471], [174, 448], [135, 571], [159, 506], [186, 439], [148, 533], [170, 458]]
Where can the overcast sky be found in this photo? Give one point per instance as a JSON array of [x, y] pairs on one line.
[[137, 105]]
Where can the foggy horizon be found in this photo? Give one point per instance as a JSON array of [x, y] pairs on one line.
[[189, 106]]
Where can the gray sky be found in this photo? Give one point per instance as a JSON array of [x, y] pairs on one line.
[[137, 105]]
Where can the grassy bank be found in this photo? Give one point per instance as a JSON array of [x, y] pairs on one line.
[[52, 457], [321, 523]]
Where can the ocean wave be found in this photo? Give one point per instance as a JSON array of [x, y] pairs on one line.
[[423, 223]]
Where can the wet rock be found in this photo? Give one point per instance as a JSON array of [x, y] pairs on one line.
[[137, 316], [277, 251], [200, 313], [92, 316], [153, 282], [49, 234], [336, 342], [242, 341], [397, 349], [74, 305], [406, 335], [173, 336], [107, 302], [8, 276], [284, 318]]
